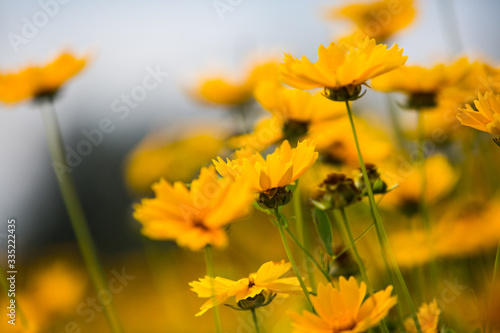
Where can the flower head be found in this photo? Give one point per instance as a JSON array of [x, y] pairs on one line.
[[487, 116], [267, 282], [36, 81], [441, 178], [297, 105], [219, 89], [378, 19], [194, 217], [175, 160], [278, 169], [343, 310], [428, 317], [342, 67], [423, 85]]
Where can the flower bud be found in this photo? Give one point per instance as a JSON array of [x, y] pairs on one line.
[[336, 191], [275, 197], [377, 184]]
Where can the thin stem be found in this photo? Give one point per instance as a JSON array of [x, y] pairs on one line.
[[302, 232], [307, 253], [450, 24], [384, 241], [5, 287], [424, 210], [75, 211], [495, 273], [255, 321], [279, 216], [210, 272], [354, 248]]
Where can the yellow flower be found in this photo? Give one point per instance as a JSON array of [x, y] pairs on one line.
[[246, 292], [194, 217], [342, 67], [334, 140], [440, 175], [266, 132], [423, 85], [39, 81], [487, 116], [428, 317], [175, 160], [417, 79], [379, 19], [295, 105], [222, 90], [459, 233], [343, 310], [277, 170]]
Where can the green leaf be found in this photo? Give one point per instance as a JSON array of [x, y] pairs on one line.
[[322, 223]]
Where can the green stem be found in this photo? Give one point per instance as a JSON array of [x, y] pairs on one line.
[[75, 211], [307, 253], [380, 227], [5, 287], [255, 321], [210, 272], [279, 216], [354, 248], [302, 232], [424, 209]]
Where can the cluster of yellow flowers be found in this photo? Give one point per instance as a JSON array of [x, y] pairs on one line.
[[308, 153]]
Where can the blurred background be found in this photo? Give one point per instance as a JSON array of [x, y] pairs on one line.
[[183, 41]]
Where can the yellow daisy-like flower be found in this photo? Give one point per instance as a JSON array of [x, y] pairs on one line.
[[222, 90], [343, 310], [256, 290], [295, 105], [379, 19], [423, 85], [487, 116], [175, 160], [440, 175], [334, 140], [341, 69], [39, 81], [278, 169], [267, 131], [194, 217], [459, 233], [428, 317]]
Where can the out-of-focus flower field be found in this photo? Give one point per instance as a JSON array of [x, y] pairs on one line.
[[348, 188]]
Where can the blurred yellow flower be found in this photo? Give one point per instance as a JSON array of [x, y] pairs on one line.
[[379, 19], [458, 233], [334, 141], [277, 170], [428, 317], [344, 309], [341, 69], [423, 85], [175, 160], [487, 116], [295, 105], [35, 81], [253, 291], [267, 131], [194, 217], [58, 287], [222, 90], [440, 175]]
